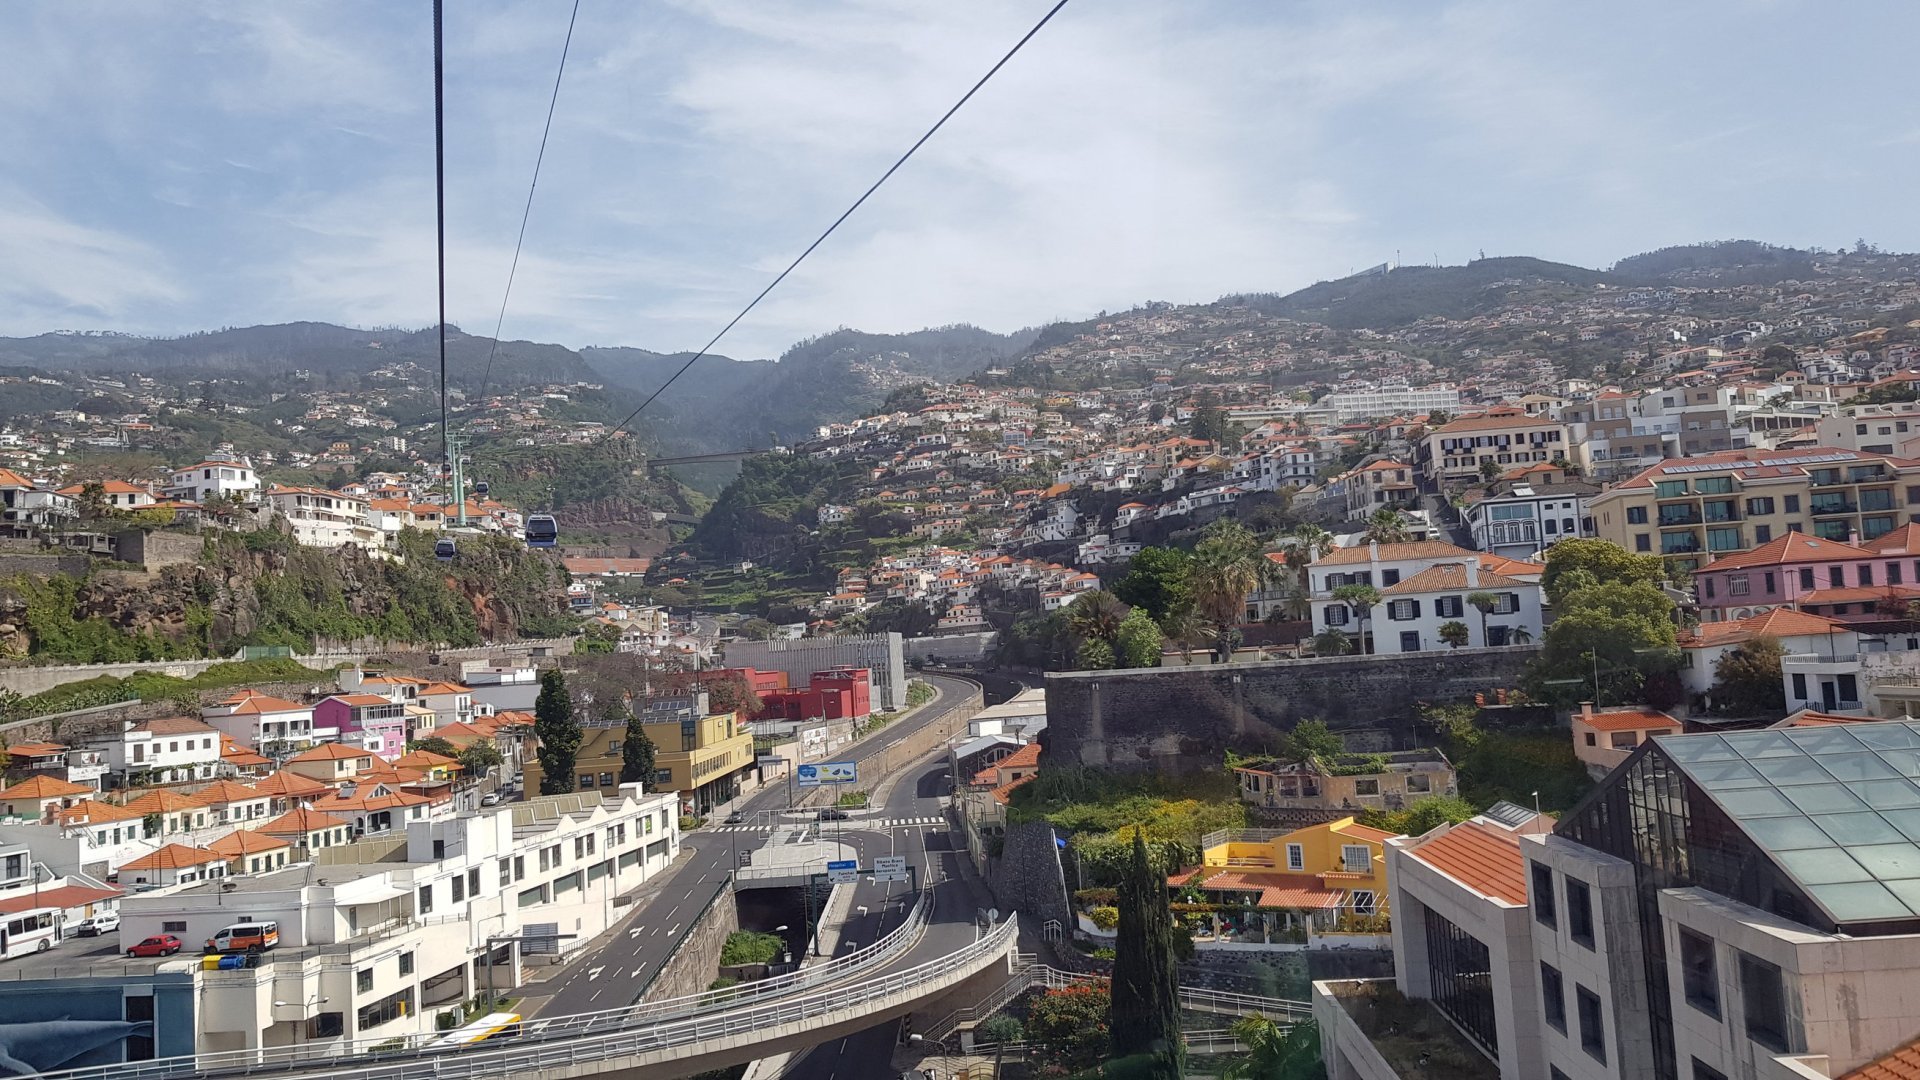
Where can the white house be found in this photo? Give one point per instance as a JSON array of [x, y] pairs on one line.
[[322, 518], [257, 720], [1423, 585], [169, 750], [215, 479]]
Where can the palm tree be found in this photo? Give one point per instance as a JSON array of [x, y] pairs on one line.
[[1455, 633], [1362, 599], [1275, 1052], [1297, 605], [1485, 602], [1386, 526], [1521, 636], [1096, 616], [1315, 541], [1228, 567], [1331, 642]]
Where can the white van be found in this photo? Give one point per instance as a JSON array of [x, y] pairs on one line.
[[245, 937]]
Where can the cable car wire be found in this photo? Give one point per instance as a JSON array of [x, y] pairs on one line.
[[884, 177], [526, 213]]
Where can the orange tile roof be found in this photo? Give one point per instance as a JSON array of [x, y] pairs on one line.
[[1362, 832], [253, 702], [332, 751], [1513, 568], [1809, 718], [1860, 594], [1481, 857], [36, 749], [1791, 548], [1448, 577], [172, 857], [361, 699], [245, 842], [163, 801], [1414, 549], [221, 792], [1778, 623], [1901, 1063], [173, 725], [1904, 540], [65, 896], [300, 822], [1628, 720], [1297, 891], [44, 787], [445, 688], [423, 759], [90, 812], [285, 784], [1490, 420]]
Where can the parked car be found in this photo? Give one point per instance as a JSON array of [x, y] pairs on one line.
[[736, 818], [834, 815], [94, 925], [157, 945], [491, 798]]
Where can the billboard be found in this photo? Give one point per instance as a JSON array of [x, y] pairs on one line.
[[827, 772]]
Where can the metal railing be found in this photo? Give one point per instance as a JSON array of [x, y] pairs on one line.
[[1030, 974], [573, 1026], [1241, 836], [731, 1028]]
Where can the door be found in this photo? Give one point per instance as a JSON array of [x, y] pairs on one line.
[[1829, 700]]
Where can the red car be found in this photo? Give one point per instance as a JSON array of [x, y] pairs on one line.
[[157, 945]]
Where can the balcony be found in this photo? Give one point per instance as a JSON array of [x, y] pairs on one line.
[[1679, 545], [1828, 509], [1679, 515]]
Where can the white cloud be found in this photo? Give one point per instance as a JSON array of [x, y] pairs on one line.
[[69, 275]]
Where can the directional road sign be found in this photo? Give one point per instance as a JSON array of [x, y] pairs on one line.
[[843, 872], [889, 868]]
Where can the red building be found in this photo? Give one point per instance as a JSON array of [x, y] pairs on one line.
[[759, 681], [833, 694]]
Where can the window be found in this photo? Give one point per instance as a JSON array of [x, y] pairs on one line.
[[519, 867], [1389, 577], [1764, 992], [1553, 998], [1366, 786], [1865, 572], [606, 779], [1759, 506], [1697, 972], [1402, 610], [1704, 1071], [179, 927], [1457, 964], [1363, 902], [1580, 912], [1806, 577], [426, 899], [1296, 857], [1409, 641], [1737, 584], [506, 872], [406, 963], [473, 882], [1642, 542], [1893, 573], [1356, 858], [1837, 576], [1636, 515], [1593, 1033], [363, 982], [1769, 580], [459, 886], [586, 779], [1336, 615], [1540, 891], [1419, 783], [1762, 534], [1799, 686], [1449, 607], [1506, 603], [1790, 503]]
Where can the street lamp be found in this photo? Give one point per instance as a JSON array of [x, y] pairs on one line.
[[303, 1006], [786, 953]]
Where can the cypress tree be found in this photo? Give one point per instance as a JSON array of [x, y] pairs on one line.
[[1146, 1002], [558, 732], [636, 755]]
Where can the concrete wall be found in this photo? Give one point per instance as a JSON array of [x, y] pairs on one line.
[[695, 960], [952, 648], [157, 550], [32, 680], [1181, 718], [1613, 968], [1027, 876], [38, 565]]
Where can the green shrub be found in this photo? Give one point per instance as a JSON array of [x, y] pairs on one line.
[[1000, 1028], [751, 947], [1106, 918]]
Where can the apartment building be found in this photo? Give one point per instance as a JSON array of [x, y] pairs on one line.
[[702, 756], [1390, 400], [258, 720], [1519, 516], [1468, 449], [322, 518], [1691, 510], [168, 750], [378, 939], [1892, 429]]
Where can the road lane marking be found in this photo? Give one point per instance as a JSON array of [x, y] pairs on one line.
[[594, 973], [675, 930]]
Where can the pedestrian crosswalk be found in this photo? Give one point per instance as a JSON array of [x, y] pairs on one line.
[[852, 823]]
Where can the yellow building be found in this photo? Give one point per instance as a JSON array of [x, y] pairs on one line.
[[1694, 509], [703, 759], [1326, 872]]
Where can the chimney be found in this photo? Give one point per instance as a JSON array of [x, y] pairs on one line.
[[1373, 551], [1473, 573], [1586, 710]]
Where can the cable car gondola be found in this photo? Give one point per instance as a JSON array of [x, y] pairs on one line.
[[444, 549], [542, 531], [481, 487]]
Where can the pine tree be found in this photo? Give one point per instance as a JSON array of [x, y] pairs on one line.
[[558, 733], [636, 755], [1146, 1002]]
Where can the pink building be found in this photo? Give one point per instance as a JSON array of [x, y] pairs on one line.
[[1796, 569], [367, 721]]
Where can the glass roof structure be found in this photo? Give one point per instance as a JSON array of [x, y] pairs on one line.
[[1836, 808]]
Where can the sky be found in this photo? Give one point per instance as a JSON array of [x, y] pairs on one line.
[[179, 165]]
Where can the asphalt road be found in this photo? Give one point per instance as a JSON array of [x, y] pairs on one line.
[[867, 1055], [611, 971]]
